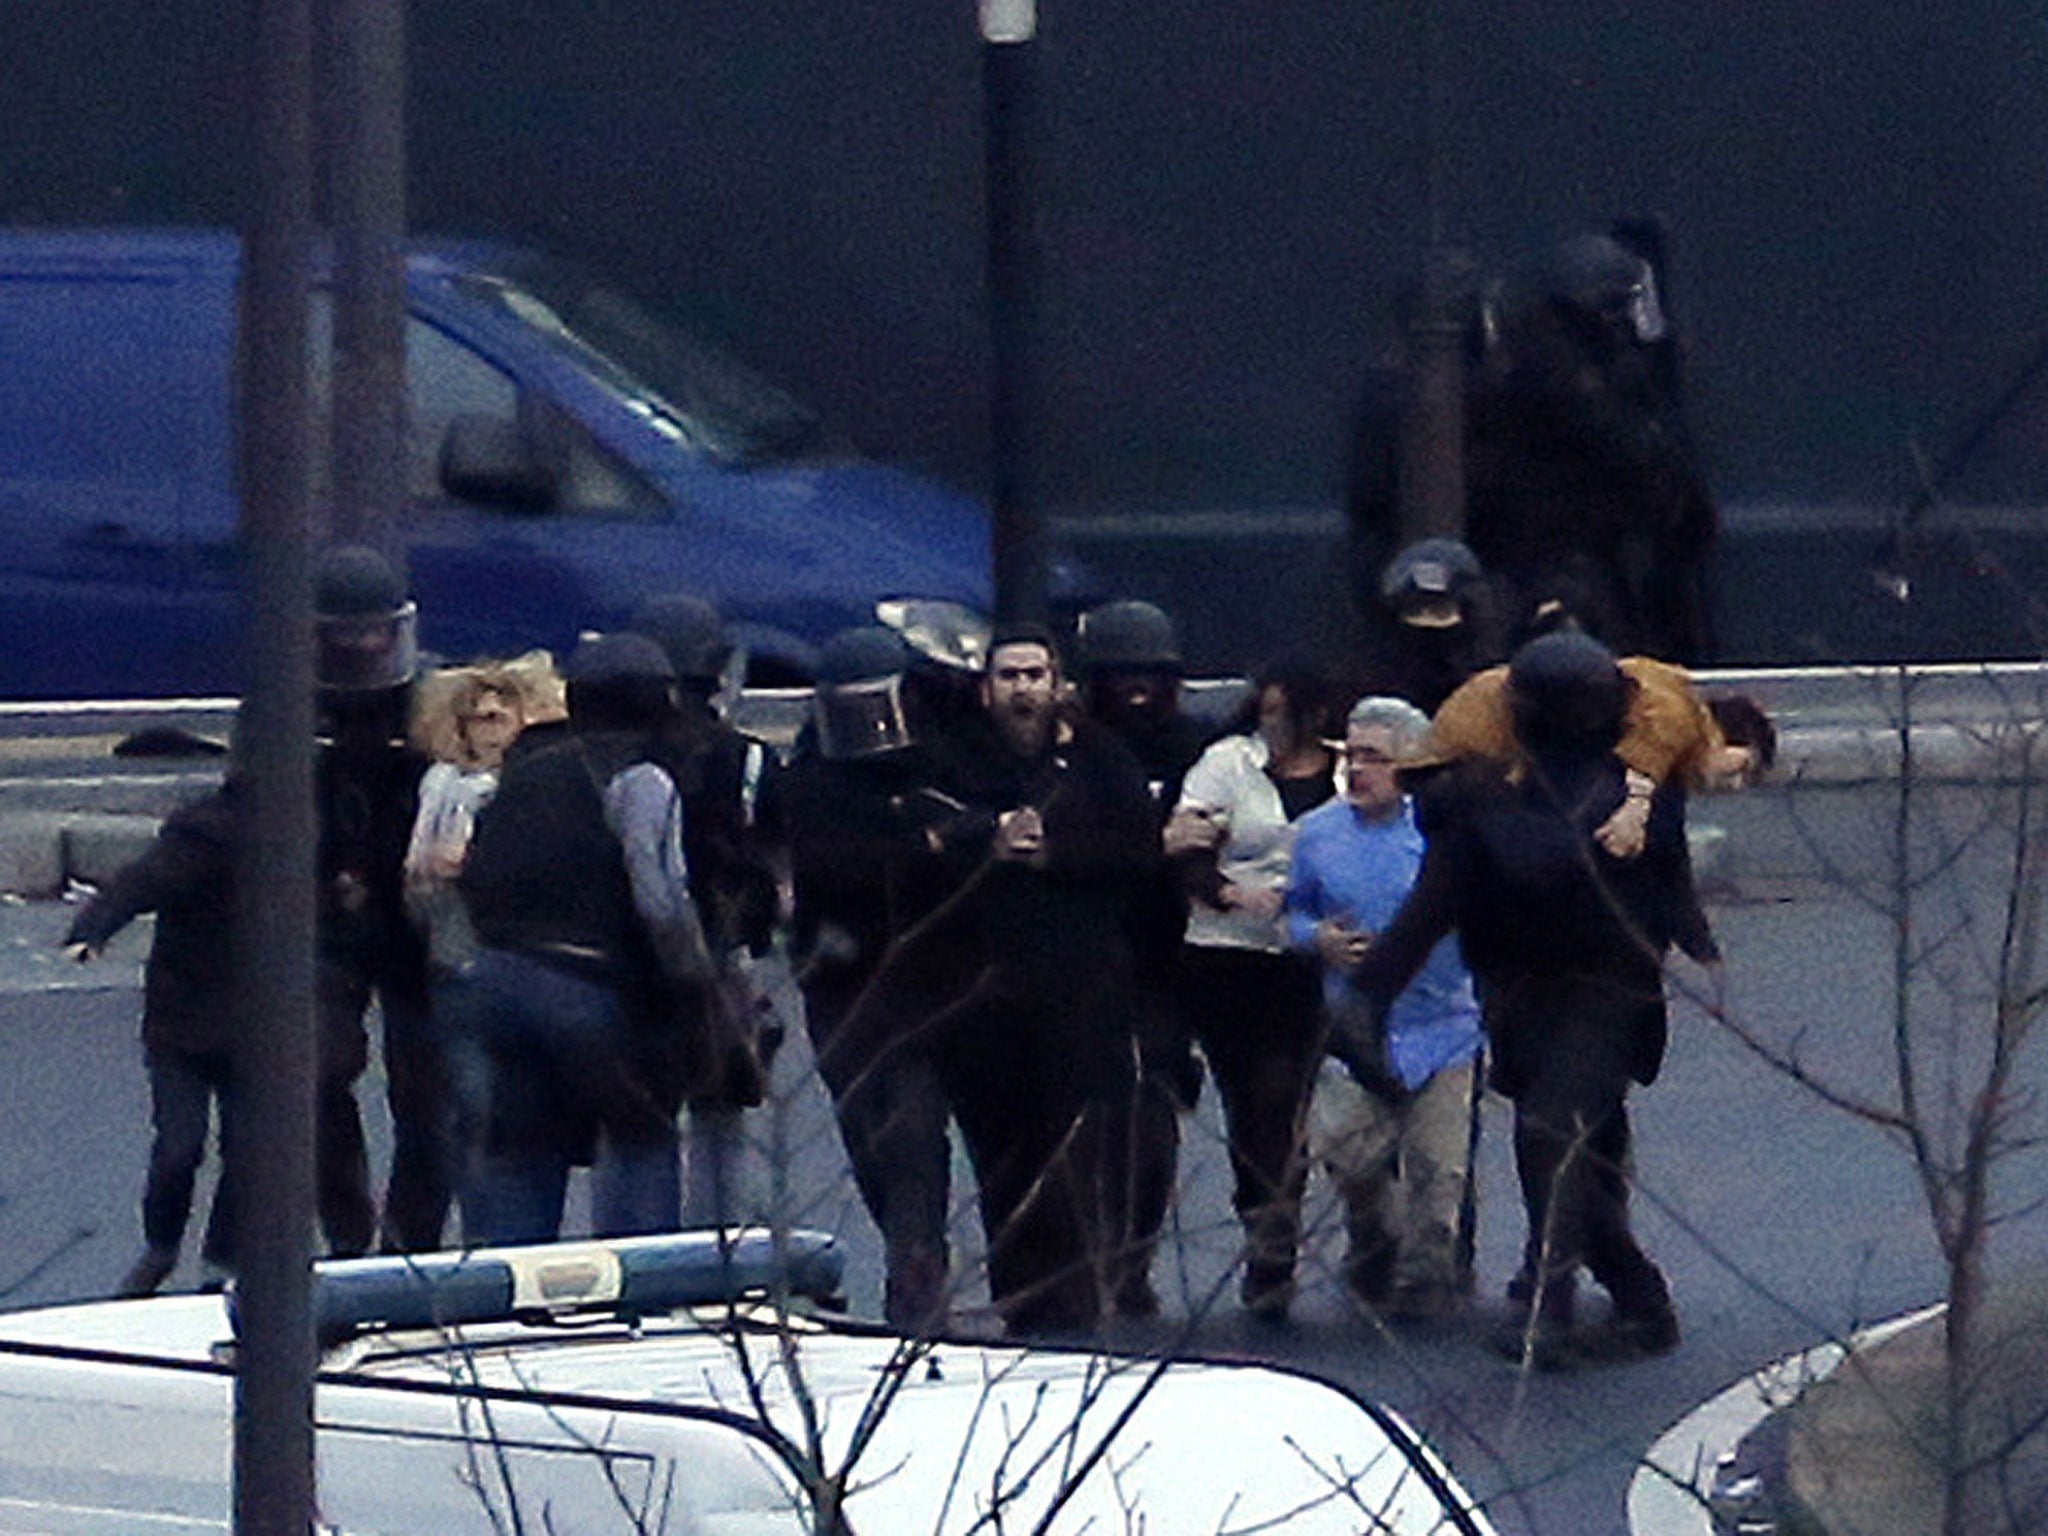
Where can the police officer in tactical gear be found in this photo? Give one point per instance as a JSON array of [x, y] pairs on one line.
[[367, 787], [734, 841], [1583, 480], [1130, 662], [1443, 625], [593, 965], [860, 803], [1566, 942]]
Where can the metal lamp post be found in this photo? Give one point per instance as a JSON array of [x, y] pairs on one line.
[[1009, 96]]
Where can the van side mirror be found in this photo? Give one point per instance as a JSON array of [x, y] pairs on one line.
[[487, 460]]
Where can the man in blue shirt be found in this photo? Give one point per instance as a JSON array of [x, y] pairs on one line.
[[1396, 1140]]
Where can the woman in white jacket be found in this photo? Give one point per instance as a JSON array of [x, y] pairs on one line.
[[465, 719], [1250, 1000]]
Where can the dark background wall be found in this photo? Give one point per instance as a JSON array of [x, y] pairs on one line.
[[1233, 194]]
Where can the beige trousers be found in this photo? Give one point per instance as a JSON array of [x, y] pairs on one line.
[[1400, 1170]]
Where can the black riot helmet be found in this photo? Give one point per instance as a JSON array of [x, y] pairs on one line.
[[1568, 695], [1127, 636], [947, 645], [619, 682], [858, 705], [1426, 585], [1602, 278], [1130, 661], [689, 629], [365, 628]]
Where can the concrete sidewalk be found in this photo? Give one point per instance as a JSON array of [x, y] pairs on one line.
[[1847, 1442]]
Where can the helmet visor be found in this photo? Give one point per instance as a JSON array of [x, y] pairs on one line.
[[358, 652], [860, 719], [1645, 314]]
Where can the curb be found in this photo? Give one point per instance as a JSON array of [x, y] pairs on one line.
[[1682, 1477], [85, 825], [1994, 752]]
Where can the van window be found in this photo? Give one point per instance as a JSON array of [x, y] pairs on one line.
[[446, 379], [721, 406], [94, 395]]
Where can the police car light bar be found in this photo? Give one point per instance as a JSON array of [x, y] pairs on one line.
[[624, 1276]]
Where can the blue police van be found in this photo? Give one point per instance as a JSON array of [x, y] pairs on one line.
[[569, 454]]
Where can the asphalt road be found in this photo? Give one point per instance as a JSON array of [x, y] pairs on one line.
[[1781, 1221]]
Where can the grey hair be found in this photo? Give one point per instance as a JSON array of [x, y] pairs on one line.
[[1402, 721]]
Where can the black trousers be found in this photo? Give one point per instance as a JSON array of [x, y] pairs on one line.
[[1571, 1159], [1034, 1060], [1256, 1016], [873, 1046], [183, 1086], [423, 1150]]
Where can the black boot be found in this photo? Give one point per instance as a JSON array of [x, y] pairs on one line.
[[148, 1273], [1543, 1340], [1644, 1322]]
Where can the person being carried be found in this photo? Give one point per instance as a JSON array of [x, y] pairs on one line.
[[1670, 734]]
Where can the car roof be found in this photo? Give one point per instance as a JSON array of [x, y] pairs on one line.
[[933, 1435]]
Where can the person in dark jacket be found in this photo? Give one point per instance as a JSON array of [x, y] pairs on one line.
[[734, 843], [186, 877], [1130, 662], [366, 788], [859, 802], [1567, 943], [1056, 829], [592, 960], [1438, 628]]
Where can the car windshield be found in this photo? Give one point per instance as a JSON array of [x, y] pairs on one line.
[[719, 404]]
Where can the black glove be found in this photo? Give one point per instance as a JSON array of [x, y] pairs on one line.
[[1358, 1041]]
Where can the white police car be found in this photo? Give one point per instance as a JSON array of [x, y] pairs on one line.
[[682, 1385]]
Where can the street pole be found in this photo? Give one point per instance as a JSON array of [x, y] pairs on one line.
[[1009, 102], [1432, 462], [368, 211], [272, 1147], [1432, 465]]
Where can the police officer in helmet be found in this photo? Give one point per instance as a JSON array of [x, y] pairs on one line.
[[860, 802], [1580, 467], [1441, 628], [1131, 665], [366, 653], [734, 840]]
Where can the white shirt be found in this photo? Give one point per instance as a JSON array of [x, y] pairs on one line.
[[1230, 778]]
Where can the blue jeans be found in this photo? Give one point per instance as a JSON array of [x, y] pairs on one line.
[[184, 1086], [541, 1064]]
